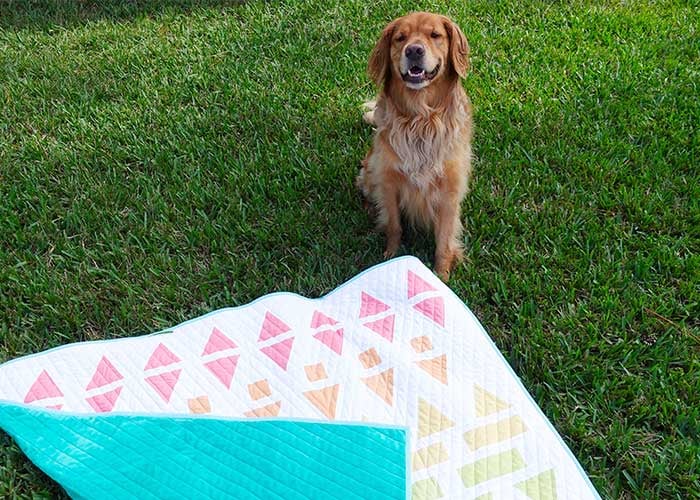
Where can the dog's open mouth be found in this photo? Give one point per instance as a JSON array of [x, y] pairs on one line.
[[417, 74]]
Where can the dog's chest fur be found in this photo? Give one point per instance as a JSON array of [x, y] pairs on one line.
[[422, 142]]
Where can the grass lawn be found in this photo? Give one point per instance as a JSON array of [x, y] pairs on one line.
[[159, 161]]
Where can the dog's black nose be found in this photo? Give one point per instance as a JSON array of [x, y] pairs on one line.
[[415, 51]]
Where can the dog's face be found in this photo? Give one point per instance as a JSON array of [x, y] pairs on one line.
[[419, 49]]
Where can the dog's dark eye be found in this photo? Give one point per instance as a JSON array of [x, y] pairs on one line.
[[401, 38], [435, 34]]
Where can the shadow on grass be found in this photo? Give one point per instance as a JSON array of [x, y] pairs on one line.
[[47, 14]]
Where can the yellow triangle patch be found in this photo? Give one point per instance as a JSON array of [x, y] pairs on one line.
[[429, 456], [541, 487], [430, 420], [426, 489], [486, 403], [495, 432]]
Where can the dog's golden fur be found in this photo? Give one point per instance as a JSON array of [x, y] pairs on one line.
[[420, 160]]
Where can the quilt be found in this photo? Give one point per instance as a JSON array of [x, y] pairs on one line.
[[387, 387]]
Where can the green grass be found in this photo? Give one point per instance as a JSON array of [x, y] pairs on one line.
[[161, 161]]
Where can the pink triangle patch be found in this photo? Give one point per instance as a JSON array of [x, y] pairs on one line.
[[218, 342], [320, 319], [417, 285], [164, 384], [371, 306], [433, 308], [103, 403], [333, 339], [105, 374], [42, 388], [384, 327], [162, 356], [272, 326], [279, 353], [223, 369]]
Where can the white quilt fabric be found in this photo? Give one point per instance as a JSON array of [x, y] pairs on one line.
[[392, 346]]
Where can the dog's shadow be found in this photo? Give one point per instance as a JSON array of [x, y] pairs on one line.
[[45, 15]]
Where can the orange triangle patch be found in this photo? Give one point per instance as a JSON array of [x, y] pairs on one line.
[[383, 385], [324, 399], [436, 367], [421, 344], [369, 358], [271, 410], [199, 405], [259, 389]]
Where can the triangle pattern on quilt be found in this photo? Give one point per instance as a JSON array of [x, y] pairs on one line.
[[224, 369], [333, 339], [218, 342], [105, 374], [320, 319], [199, 405], [421, 344], [435, 367], [426, 489], [383, 385], [384, 327], [43, 387], [487, 403], [103, 403], [371, 306], [279, 352], [433, 308], [164, 383], [431, 420], [271, 410], [272, 326], [325, 399], [417, 285], [161, 356], [541, 487]]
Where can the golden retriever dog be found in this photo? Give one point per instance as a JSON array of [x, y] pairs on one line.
[[420, 160]]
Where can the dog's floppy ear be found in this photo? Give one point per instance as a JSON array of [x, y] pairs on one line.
[[459, 48], [378, 67]]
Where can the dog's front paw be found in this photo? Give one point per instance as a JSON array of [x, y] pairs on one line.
[[368, 115], [457, 255], [389, 253], [369, 105], [392, 245], [443, 274], [444, 265]]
